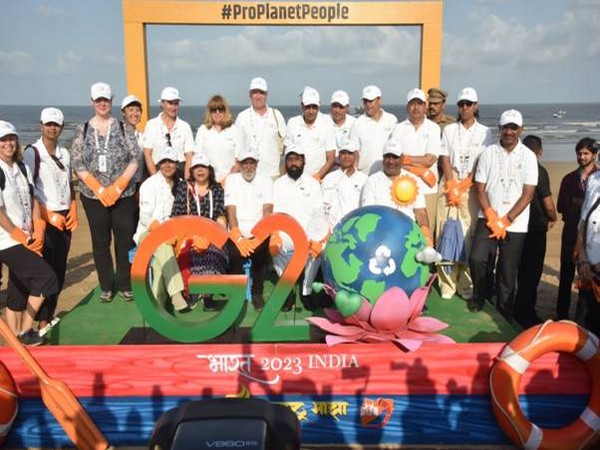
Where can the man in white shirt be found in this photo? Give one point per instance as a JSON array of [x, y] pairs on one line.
[[313, 133], [263, 128], [420, 140], [248, 198], [396, 188], [342, 187], [372, 130], [298, 194], [505, 181], [342, 122], [168, 130]]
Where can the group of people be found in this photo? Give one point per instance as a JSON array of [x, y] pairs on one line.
[[315, 167]]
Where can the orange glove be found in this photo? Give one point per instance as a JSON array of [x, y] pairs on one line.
[[317, 177], [465, 184], [427, 234], [275, 243], [315, 248], [406, 160], [19, 235], [153, 225], [499, 228], [491, 217], [200, 244], [244, 245], [115, 190], [71, 222], [424, 174], [452, 192], [53, 218], [99, 190], [39, 235]]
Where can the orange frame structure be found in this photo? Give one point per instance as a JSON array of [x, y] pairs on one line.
[[138, 13]]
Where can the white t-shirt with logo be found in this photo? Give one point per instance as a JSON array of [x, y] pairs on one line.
[[315, 140], [371, 135], [221, 147], [249, 198], [155, 137], [17, 201]]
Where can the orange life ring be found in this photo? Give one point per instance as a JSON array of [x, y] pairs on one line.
[[513, 361]]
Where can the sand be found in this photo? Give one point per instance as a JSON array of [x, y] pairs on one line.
[[81, 275]]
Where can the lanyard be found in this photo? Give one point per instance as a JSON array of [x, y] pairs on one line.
[[210, 201], [106, 141]]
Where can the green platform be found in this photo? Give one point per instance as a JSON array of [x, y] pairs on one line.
[[94, 323]]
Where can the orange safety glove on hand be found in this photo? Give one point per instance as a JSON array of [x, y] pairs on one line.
[[153, 225], [405, 160], [19, 235], [244, 245], [499, 227], [317, 177], [424, 174], [427, 235], [465, 184], [39, 235], [275, 243], [315, 248], [116, 189], [491, 216], [452, 192], [200, 243], [71, 222], [53, 218], [99, 190]]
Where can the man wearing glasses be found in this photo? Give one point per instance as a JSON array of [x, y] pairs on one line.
[[505, 181], [371, 131], [168, 130], [313, 133]]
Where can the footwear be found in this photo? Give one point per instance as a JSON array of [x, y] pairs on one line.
[[308, 302], [105, 297], [209, 304], [30, 338], [289, 304], [474, 305], [127, 295], [258, 302]]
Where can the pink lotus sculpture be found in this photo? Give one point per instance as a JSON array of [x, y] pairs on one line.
[[394, 317]]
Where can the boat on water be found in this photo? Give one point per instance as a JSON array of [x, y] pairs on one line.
[[559, 114]]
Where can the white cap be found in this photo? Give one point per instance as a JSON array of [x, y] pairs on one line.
[[416, 93], [167, 153], [511, 116], [293, 148], [169, 94], [340, 97], [259, 84], [248, 152], [310, 96], [469, 94], [393, 147], [101, 90], [200, 159], [371, 92], [349, 146], [6, 129], [53, 115], [130, 99]]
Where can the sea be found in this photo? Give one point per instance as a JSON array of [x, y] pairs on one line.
[[559, 126]]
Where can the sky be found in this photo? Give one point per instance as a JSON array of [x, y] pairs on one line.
[[510, 51]]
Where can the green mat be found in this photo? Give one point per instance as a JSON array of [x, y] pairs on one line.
[[94, 323]]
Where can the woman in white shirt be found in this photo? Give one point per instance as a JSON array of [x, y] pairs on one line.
[[31, 279], [219, 139], [462, 143], [156, 202]]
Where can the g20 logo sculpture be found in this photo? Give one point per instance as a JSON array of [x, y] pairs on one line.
[[233, 286]]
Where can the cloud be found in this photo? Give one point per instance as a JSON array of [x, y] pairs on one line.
[[68, 62], [50, 11], [15, 62], [357, 49]]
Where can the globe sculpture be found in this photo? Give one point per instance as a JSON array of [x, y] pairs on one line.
[[373, 249]]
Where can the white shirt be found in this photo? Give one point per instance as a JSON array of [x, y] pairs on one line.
[[420, 142], [17, 202], [592, 242], [341, 193], [53, 184], [155, 137], [156, 203], [464, 145], [505, 174], [249, 198], [371, 135], [314, 140], [377, 191], [302, 199], [262, 133], [342, 132], [221, 147]]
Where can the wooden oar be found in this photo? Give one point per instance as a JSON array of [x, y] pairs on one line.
[[59, 400]]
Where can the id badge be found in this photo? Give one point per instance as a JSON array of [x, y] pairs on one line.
[[506, 195], [464, 166], [102, 166]]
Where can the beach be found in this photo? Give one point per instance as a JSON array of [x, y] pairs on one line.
[[81, 276]]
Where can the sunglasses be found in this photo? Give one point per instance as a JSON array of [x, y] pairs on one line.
[[168, 138], [464, 103], [218, 109]]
